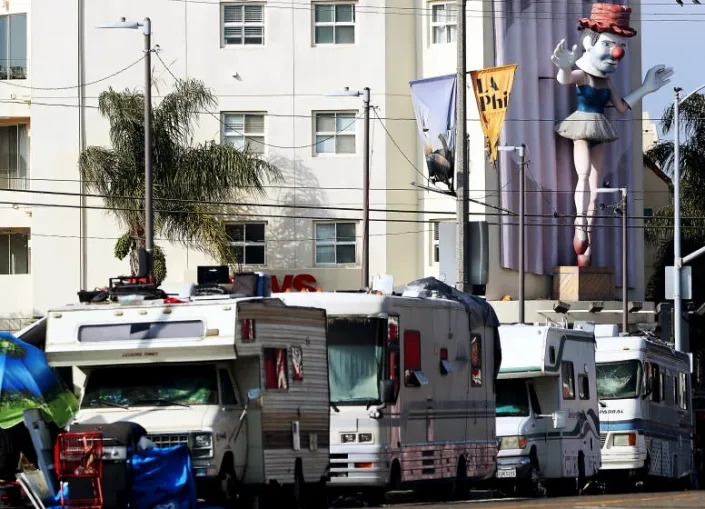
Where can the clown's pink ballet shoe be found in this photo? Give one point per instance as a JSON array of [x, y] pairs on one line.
[[583, 260], [580, 245]]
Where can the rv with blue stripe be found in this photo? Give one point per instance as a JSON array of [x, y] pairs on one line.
[[646, 413]]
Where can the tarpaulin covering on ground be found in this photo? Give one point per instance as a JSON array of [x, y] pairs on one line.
[[163, 479], [27, 381]]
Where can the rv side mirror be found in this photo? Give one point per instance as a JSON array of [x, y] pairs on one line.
[[254, 395], [559, 419], [387, 391]]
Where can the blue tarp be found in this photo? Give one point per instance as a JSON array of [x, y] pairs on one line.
[[163, 479]]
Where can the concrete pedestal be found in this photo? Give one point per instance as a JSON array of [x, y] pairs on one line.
[[572, 283]]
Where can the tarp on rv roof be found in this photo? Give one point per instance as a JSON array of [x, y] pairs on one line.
[[475, 305]]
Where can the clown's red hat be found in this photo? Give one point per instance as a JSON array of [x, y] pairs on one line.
[[609, 18]]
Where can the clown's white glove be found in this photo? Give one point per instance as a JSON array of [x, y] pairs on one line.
[[656, 77]]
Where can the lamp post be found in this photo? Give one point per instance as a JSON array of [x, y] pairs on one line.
[[365, 94], [677, 260], [521, 150], [625, 246], [145, 262]]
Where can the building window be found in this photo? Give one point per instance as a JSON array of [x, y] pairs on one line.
[[335, 243], [14, 253], [435, 239], [13, 47], [14, 153], [335, 133], [334, 23], [244, 131], [444, 22], [247, 241], [568, 376], [243, 24]]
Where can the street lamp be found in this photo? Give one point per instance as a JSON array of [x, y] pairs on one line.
[[145, 262], [365, 94], [625, 244], [677, 260], [521, 150]]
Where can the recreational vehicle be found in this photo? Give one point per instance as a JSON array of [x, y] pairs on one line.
[[547, 420], [646, 414], [411, 387], [241, 381]]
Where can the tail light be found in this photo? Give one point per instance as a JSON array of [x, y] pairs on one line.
[[247, 329]]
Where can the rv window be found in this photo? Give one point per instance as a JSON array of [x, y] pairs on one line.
[[584, 386], [412, 359], [145, 330], [355, 359], [568, 380], [683, 386], [512, 400], [662, 386], [675, 390], [535, 406], [227, 393], [618, 380], [476, 361], [656, 378], [150, 385], [551, 355], [297, 364], [275, 368]]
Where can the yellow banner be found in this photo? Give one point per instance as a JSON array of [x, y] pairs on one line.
[[493, 86]]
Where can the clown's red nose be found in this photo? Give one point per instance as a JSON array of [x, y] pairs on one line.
[[617, 52]]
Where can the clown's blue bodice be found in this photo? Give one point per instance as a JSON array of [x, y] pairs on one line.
[[592, 100]]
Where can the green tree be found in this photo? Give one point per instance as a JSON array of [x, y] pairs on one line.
[[692, 183], [187, 176]]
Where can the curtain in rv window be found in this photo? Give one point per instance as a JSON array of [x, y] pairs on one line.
[[355, 358]]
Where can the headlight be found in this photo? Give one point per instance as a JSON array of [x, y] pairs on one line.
[[203, 441], [515, 442], [624, 440], [364, 437], [346, 438]]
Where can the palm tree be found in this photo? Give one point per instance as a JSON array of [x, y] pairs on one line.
[[187, 176], [692, 165]]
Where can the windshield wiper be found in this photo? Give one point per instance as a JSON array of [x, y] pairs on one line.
[[601, 403], [334, 407], [162, 401], [96, 402]]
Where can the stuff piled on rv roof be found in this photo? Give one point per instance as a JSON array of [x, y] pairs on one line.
[[431, 287], [213, 282]]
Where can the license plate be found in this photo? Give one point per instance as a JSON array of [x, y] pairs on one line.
[[506, 473]]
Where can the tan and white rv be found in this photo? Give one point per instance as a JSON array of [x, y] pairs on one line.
[[241, 381]]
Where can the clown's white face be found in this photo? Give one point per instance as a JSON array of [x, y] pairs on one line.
[[602, 57]]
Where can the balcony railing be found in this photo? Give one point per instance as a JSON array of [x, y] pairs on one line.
[[12, 181], [13, 69]]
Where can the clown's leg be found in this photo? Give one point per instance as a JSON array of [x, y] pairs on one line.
[[596, 163], [581, 159]]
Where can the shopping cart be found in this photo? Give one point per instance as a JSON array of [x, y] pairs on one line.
[[79, 463]]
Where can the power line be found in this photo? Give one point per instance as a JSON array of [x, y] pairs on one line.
[[70, 87]]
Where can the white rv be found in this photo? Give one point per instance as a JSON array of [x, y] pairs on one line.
[[411, 389], [241, 381], [646, 414], [547, 419]]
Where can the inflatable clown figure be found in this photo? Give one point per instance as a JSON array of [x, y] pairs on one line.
[[603, 38]]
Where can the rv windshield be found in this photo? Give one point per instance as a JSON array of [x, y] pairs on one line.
[[355, 359], [619, 380], [512, 399], [149, 385]]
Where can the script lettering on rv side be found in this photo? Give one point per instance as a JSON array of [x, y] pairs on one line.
[[140, 354], [617, 411]]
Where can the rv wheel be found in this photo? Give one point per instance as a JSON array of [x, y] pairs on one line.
[[460, 484]]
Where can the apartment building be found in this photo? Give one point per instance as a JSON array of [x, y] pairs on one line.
[[280, 71]]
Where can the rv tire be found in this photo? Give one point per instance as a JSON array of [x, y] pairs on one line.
[[460, 483], [582, 479]]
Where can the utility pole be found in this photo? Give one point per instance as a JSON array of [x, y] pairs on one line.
[[521, 150], [677, 262], [148, 210], [366, 195], [463, 205], [625, 254]]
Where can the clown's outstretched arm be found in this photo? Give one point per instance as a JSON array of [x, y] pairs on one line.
[[564, 59], [656, 77]]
